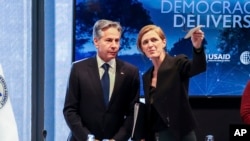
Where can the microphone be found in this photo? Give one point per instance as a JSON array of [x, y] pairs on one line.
[[44, 134]]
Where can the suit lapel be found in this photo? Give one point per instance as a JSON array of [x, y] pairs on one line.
[[119, 78], [147, 82], [94, 77]]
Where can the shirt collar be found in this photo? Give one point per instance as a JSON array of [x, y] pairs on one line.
[[100, 62]]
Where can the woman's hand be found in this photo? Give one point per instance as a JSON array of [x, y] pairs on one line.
[[197, 38]]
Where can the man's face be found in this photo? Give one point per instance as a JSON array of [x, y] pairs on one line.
[[108, 45]]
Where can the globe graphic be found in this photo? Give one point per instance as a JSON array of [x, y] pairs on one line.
[[245, 57]]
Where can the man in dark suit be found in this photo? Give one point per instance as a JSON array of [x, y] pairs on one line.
[[85, 110]]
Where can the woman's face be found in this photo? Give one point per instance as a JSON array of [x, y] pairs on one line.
[[152, 45]]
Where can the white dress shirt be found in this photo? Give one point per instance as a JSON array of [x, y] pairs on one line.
[[112, 68]]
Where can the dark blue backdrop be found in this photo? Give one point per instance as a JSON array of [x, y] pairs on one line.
[[226, 36]]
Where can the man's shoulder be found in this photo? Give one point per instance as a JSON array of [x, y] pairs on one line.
[[84, 61], [125, 64]]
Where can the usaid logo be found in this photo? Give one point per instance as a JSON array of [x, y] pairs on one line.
[[218, 57]]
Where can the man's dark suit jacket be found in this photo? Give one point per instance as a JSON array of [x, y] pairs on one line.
[[171, 96], [84, 109]]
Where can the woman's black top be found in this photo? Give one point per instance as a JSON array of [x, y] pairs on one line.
[[155, 120]]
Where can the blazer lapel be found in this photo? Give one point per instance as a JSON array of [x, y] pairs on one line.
[[119, 76], [94, 78], [147, 82]]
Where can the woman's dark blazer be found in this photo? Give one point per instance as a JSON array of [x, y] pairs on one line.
[[171, 95], [84, 109]]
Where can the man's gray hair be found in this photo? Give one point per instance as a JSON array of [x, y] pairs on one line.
[[103, 24]]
